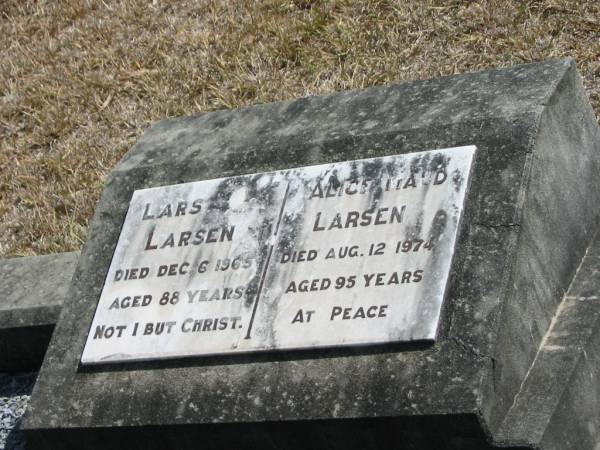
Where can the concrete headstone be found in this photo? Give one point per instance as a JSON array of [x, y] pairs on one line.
[[528, 217]]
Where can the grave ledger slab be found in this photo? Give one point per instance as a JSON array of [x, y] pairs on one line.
[[32, 291], [528, 217]]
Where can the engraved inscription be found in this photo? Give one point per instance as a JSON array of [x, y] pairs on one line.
[[350, 253]]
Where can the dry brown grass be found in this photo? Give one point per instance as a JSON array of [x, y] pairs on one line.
[[81, 80]]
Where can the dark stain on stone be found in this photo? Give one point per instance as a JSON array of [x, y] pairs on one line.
[[438, 225], [457, 180]]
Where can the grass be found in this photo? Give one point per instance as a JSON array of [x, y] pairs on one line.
[[81, 80]]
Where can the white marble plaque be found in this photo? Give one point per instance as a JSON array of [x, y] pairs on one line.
[[350, 253]]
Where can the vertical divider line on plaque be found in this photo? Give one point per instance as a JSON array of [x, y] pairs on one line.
[[274, 239]]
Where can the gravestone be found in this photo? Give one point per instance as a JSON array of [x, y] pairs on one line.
[[381, 268]]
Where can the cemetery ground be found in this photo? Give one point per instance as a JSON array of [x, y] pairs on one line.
[[81, 80]]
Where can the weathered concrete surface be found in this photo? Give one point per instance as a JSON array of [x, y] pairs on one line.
[[554, 231], [32, 290], [557, 406], [530, 214]]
